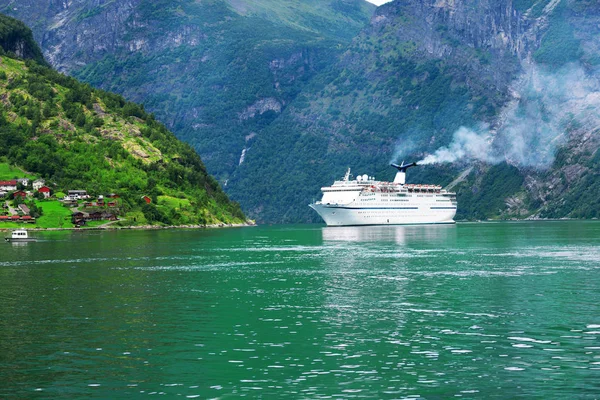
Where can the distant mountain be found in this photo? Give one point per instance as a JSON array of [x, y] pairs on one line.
[[76, 137], [520, 77], [279, 100]]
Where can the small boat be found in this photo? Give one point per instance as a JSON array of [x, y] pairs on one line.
[[19, 235]]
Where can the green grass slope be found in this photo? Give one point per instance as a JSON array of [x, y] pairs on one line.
[[76, 137]]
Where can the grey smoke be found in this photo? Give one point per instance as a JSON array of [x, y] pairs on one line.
[[532, 126], [466, 143]]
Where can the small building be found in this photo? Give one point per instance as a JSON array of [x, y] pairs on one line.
[[45, 190], [37, 184], [69, 203], [78, 218], [111, 204], [23, 181], [14, 218], [95, 216], [113, 196], [78, 194], [147, 199], [109, 216], [24, 209], [8, 186], [19, 193], [4, 218], [28, 219], [3, 194]]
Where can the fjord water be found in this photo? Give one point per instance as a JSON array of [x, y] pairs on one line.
[[483, 310]]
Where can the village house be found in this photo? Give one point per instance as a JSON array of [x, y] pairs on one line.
[[3, 194], [8, 186], [24, 209], [38, 184], [20, 194], [23, 181], [95, 216], [45, 190], [147, 199], [81, 218], [78, 218], [69, 203], [109, 216], [77, 194]]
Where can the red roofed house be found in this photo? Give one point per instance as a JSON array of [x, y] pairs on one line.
[[45, 190], [147, 199], [20, 193], [8, 185]]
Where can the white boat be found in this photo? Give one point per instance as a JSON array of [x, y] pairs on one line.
[[19, 235], [365, 201]]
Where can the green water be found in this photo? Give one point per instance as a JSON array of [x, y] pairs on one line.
[[498, 310]]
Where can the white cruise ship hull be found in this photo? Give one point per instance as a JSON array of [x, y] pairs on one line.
[[365, 201], [339, 215]]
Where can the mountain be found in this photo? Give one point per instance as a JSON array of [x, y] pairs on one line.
[[215, 72], [279, 100], [510, 85], [76, 137]]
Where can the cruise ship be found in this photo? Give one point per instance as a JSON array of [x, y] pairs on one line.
[[365, 201]]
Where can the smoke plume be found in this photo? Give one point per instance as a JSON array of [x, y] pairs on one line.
[[528, 131]]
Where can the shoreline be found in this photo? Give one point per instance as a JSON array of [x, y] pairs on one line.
[[138, 227]]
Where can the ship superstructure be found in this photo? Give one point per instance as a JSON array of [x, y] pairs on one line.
[[365, 201]]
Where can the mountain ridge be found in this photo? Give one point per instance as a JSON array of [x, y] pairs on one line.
[[408, 84]]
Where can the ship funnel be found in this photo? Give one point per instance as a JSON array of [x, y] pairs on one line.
[[401, 174]]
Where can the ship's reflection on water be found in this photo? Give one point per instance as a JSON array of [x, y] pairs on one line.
[[400, 234]]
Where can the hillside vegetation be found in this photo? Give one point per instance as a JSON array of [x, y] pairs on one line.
[[77, 137], [17, 39]]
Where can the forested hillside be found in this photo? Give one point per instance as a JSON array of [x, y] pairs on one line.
[[17, 39], [77, 137]]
